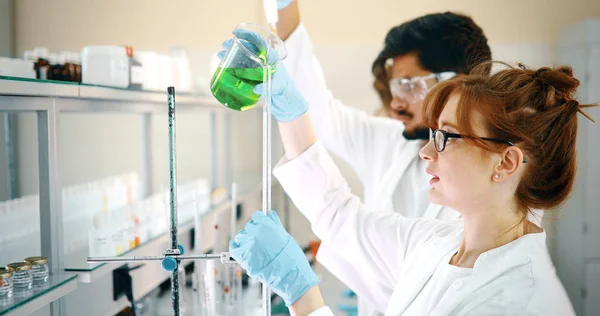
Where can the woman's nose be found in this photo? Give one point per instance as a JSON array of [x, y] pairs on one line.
[[428, 152]]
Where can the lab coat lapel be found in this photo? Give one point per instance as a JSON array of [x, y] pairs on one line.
[[421, 269], [488, 267], [404, 156]]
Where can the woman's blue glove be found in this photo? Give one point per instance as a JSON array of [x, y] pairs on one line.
[[268, 253], [287, 103]]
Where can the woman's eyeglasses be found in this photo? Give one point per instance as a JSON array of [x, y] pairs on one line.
[[440, 138]]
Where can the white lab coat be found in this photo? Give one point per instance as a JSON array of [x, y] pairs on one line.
[[396, 256], [373, 146]]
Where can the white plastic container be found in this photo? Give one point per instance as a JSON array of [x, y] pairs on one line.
[[182, 70], [166, 70], [105, 65], [17, 68], [151, 70]]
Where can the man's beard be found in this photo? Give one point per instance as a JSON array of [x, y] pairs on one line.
[[420, 132]]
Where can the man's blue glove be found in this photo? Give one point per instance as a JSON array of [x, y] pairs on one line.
[[253, 42], [283, 3], [268, 253], [287, 103]]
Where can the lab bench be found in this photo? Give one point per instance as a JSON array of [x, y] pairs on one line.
[[91, 285]]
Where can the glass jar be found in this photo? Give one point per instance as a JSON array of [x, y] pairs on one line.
[[39, 269], [6, 283], [21, 275]]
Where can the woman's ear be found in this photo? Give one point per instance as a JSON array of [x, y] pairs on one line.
[[511, 160]]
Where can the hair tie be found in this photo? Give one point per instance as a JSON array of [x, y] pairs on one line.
[[522, 65]]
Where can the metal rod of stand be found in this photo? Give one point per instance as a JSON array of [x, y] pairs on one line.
[[173, 201], [155, 258]]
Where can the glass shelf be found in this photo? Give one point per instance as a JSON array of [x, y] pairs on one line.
[[37, 80], [11, 78], [140, 90], [18, 86], [24, 303]]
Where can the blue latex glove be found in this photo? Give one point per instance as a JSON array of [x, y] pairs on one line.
[[348, 293], [253, 42], [287, 103], [268, 253], [283, 3], [350, 310]]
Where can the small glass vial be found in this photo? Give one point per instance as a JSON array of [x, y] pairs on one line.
[[39, 269], [6, 283], [22, 279]]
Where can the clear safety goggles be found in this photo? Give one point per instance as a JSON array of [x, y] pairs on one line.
[[413, 90]]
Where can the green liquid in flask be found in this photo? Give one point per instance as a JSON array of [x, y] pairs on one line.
[[234, 87]]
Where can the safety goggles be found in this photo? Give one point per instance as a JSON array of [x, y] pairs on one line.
[[413, 90]]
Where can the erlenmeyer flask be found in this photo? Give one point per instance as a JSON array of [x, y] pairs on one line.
[[253, 49]]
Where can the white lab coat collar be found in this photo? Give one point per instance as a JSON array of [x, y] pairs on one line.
[[493, 264], [489, 266], [412, 281]]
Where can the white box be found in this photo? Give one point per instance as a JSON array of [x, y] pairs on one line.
[[105, 65]]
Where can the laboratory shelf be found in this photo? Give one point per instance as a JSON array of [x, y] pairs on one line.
[[26, 303], [13, 86], [116, 94], [76, 262], [113, 99]]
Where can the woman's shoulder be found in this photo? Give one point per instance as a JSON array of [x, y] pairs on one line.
[[532, 279]]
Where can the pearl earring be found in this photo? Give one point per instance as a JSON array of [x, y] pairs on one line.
[[496, 176]]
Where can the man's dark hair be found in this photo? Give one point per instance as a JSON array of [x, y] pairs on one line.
[[442, 41]]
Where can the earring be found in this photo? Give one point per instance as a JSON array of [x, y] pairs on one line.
[[496, 176]]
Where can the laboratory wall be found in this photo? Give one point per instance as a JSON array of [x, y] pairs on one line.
[[507, 21], [6, 27], [152, 24], [6, 49]]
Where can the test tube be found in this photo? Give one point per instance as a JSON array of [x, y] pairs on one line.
[[182, 299], [200, 290], [219, 275], [234, 270], [210, 275]]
